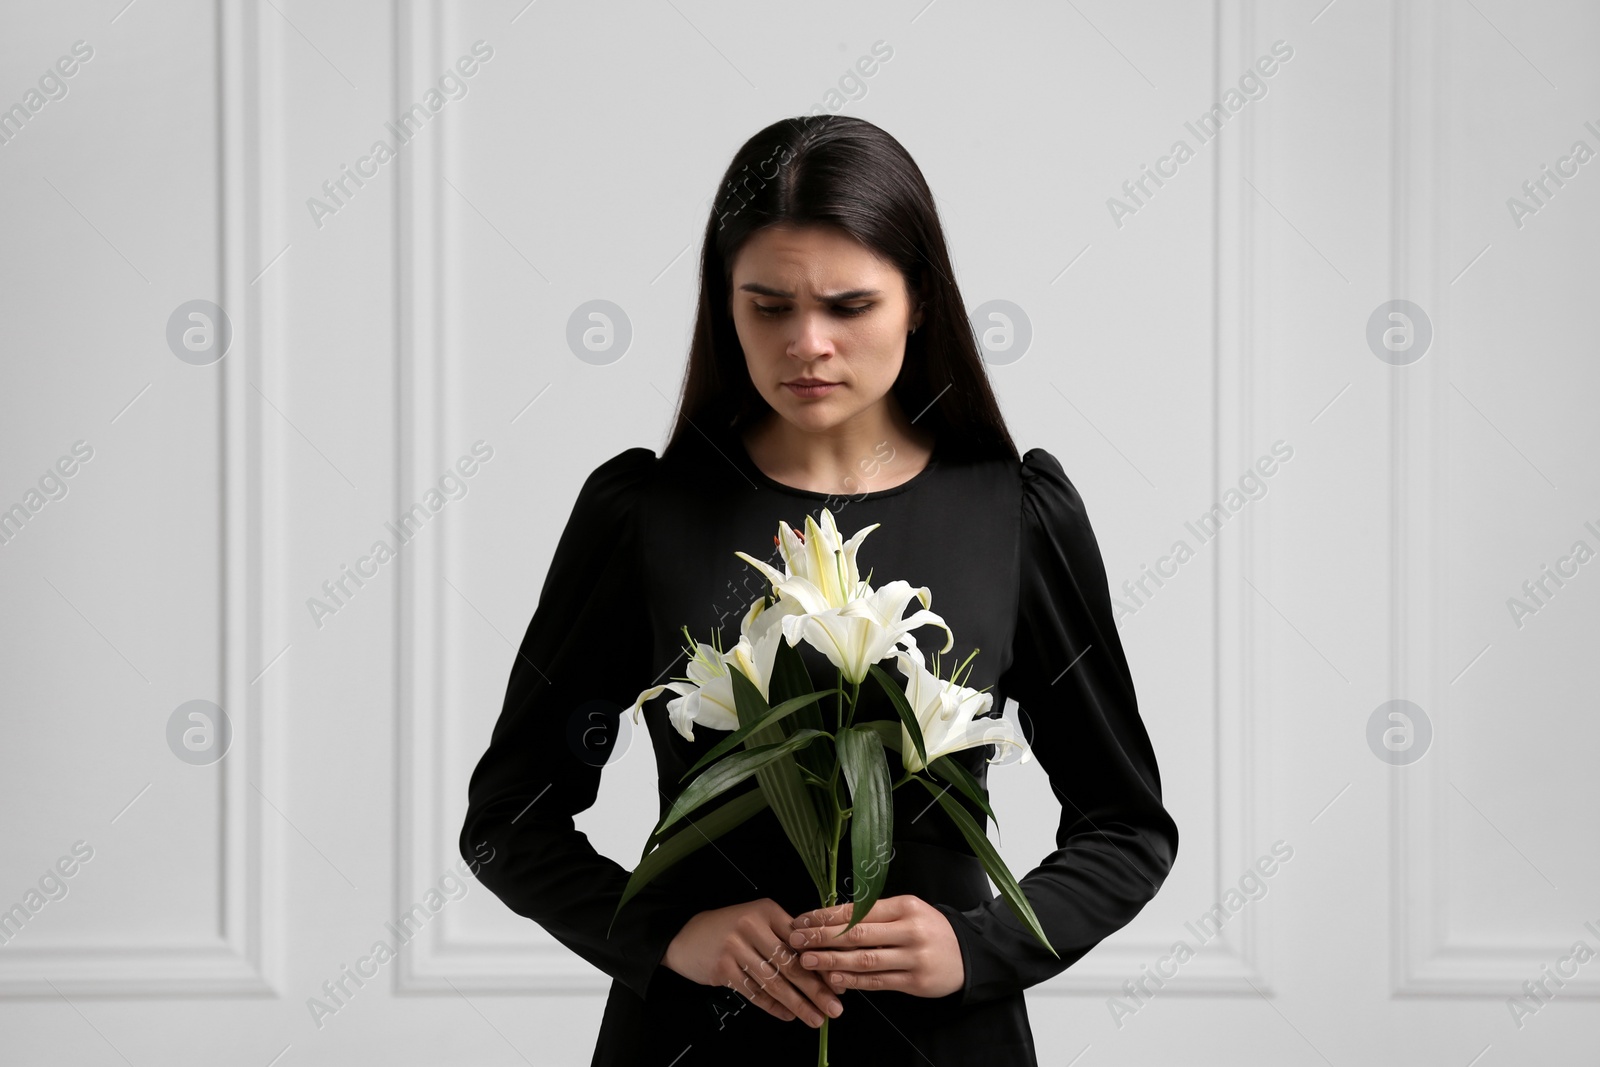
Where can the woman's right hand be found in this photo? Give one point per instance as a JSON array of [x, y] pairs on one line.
[[746, 947]]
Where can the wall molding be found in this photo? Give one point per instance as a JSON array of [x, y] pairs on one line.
[[246, 957], [1230, 964], [1427, 958], [1234, 961]]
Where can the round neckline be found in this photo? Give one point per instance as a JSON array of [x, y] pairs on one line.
[[743, 455]]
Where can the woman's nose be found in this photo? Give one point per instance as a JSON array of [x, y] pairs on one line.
[[811, 337]]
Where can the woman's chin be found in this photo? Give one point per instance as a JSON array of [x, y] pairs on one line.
[[814, 413], [812, 417]]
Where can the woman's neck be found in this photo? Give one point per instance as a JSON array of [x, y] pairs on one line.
[[844, 459]]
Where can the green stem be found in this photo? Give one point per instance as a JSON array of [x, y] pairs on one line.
[[834, 828], [841, 817], [839, 698], [835, 832]]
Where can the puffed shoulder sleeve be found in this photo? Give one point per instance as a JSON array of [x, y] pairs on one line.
[[584, 658], [1115, 843]]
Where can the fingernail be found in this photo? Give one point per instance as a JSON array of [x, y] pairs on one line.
[[815, 1020], [834, 1008], [797, 939], [809, 959]]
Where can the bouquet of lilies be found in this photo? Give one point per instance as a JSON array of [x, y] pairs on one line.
[[761, 692]]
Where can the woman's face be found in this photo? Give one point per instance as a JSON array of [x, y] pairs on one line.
[[814, 303]]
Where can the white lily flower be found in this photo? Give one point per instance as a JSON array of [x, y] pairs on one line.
[[819, 571], [834, 610], [865, 630], [759, 635], [952, 716], [886, 606], [705, 695]]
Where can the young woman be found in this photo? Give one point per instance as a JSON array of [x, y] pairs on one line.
[[832, 366]]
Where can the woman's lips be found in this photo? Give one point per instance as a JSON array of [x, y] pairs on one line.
[[810, 390]]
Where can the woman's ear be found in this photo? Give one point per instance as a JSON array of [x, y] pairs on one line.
[[914, 299]]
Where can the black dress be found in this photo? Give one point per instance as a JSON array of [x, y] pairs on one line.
[[1014, 569]]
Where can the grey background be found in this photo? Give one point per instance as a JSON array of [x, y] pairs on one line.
[[371, 348]]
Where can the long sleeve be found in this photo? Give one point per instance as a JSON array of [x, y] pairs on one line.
[[587, 642], [1115, 843]]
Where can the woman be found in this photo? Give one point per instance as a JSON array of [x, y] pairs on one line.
[[832, 366]]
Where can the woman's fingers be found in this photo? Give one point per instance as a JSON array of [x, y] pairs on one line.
[[859, 960], [885, 912], [827, 945], [770, 974], [810, 983], [756, 991], [910, 947], [764, 975], [886, 953], [765, 1002], [905, 981], [834, 935], [895, 920]]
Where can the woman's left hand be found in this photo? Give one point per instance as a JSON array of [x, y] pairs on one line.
[[902, 943]]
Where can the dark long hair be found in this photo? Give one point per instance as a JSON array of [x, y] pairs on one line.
[[845, 172]]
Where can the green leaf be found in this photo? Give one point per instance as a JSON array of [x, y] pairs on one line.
[[791, 678], [685, 841], [793, 803], [810, 777], [729, 772], [980, 843], [762, 719], [866, 772], [897, 697], [962, 779], [888, 731]]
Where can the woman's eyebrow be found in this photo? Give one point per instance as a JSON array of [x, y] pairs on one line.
[[847, 294]]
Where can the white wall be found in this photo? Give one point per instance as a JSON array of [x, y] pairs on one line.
[[373, 346]]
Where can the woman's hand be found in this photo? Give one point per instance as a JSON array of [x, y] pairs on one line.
[[744, 947], [902, 943]]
